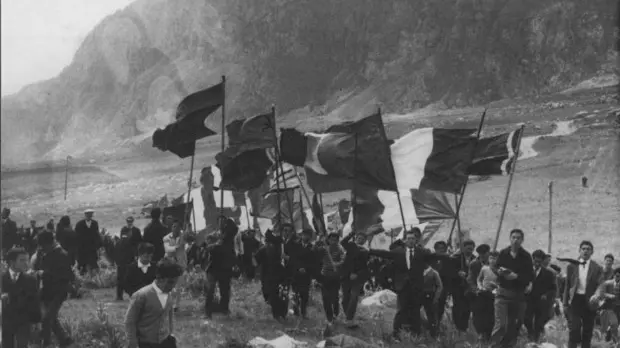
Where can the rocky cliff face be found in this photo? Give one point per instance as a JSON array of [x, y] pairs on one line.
[[134, 67]]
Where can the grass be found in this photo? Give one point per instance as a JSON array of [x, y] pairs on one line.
[[96, 320]]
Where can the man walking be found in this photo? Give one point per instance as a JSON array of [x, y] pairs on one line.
[[515, 277], [88, 243], [541, 297], [582, 281]]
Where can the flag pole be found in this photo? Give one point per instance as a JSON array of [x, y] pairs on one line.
[[400, 203], [512, 174], [462, 194], [189, 189], [277, 159], [223, 146], [550, 217], [279, 164], [193, 218]]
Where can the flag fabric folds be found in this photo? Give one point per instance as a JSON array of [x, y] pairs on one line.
[[284, 178], [351, 151], [317, 212], [495, 155], [433, 158], [180, 136], [367, 208], [245, 162], [432, 205]]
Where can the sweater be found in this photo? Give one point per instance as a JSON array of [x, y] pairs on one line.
[[146, 320]]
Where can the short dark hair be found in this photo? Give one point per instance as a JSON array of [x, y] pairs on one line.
[[483, 249], [145, 248], [166, 269], [440, 244], [494, 254], [14, 253], [539, 254], [416, 231], [155, 213], [587, 243], [609, 256], [617, 270], [556, 268], [469, 242], [45, 238], [519, 231], [332, 235]]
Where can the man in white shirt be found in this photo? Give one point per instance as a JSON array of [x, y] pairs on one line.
[[582, 281]]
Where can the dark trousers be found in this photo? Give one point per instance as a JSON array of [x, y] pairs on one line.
[[248, 267], [580, 322], [409, 303], [87, 263], [509, 313], [50, 322], [536, 316], [121, 271], [350, 294], [483, 313], [441, 306], [330, 288], [301, 289], [275, 292], [222, 282], [15, 336], [430, 309], [461, 309], [169, 342]]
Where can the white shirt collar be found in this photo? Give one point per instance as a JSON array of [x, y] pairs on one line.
[[13, 274], [141, 265], [585, 263]]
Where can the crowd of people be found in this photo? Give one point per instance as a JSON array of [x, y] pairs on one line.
[[498, 291]]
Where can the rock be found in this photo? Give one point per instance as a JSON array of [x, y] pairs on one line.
[[383, 298], [283, 341]]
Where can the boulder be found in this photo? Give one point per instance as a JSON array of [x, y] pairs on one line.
[[283, 341]]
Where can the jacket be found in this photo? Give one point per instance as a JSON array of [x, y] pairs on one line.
[[593, 281], [23, 306]]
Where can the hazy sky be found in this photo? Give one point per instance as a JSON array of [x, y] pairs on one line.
[[39, 37]]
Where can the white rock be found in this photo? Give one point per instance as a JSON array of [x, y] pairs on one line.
[[320, 344], [383, 298], [283, 341]]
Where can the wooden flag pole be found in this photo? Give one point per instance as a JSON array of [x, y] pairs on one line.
[[457, 220], [279, 164], [277, 167], [189, 191], [550, 217], [193, 217], [223, 148], [512, 174]]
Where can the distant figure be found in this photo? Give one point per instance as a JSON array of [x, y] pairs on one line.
[[89, 242], [9, 231], [67, 238], [154, 234], [584, 181]]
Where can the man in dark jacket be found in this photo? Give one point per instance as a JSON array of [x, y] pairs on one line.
[[274, 275], [479, 313], [9, 231], [409, 266], [134, 234], [20, 300], [154, 234], [460, 291], [88, 243], [250, 247], [124, 255], [57, 276], [303, 267], [442, 264], [355, 273], [140, 272], [538, 301]]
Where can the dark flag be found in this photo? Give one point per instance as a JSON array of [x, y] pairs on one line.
[[433, 159], [178, 211], [245, 163], [180, 136], [495, 155], [319, 218], [352, 151], [367, 209], [432, 205]]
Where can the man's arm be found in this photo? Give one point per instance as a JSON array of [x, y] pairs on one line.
[[553, 286], [385, 254], [567, 285], [526, 274], [472, 276], [136, 304]]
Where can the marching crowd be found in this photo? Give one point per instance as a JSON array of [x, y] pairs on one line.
[[500, 290]]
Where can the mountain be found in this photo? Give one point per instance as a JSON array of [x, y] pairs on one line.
[[321, 57]]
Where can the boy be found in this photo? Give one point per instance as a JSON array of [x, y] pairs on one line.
[[149, 318], [57, 276], [433, 288], [485, 301], [20, 300], [141, 272]]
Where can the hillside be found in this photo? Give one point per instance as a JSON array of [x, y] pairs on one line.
[[308, 57]]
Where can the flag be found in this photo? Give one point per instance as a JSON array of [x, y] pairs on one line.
[[317, 212], [344, 209], [201, 104], [239, 199], [290, 210], [367, 209], [245, 162], [246, 171], [353, 151], [433, 158], [431, 205], [495, 155], [172, 138], [178, 211], [284, 178]]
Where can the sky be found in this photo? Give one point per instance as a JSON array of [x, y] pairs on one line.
[[40, 37]]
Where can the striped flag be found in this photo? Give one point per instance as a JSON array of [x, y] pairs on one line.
[[285, 178]]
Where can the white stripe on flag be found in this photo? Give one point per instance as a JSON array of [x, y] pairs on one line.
[[286, 176], [409, 156], [312, 154]]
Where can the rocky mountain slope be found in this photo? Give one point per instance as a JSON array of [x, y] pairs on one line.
[[317, 56]]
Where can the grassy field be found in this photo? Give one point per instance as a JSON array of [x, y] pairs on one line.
[[119, 187]]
